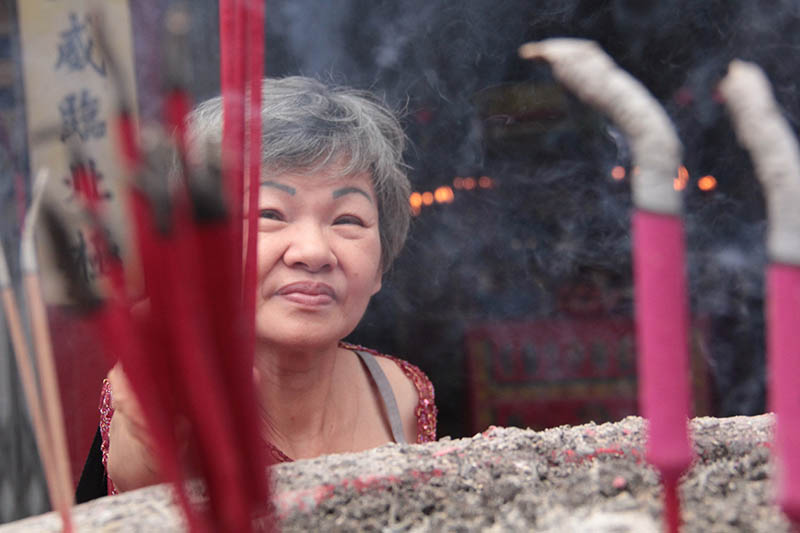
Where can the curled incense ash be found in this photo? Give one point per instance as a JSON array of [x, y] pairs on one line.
[[28, 244], [587, 71], [766, 134]]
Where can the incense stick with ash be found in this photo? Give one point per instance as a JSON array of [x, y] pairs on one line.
[[766, 134], [54, 453], [658, 247]]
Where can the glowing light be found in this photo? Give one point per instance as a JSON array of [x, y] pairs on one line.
[[415, 200], [707, 183], [468, 183], [415, 210], [443, 195], [682, 180], [458, 182], [427, 198], [485, 182], [618, 173]]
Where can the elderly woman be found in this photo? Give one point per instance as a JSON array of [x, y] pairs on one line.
[[333, 215]]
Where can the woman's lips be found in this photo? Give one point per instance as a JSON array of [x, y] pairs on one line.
[[308, 293]]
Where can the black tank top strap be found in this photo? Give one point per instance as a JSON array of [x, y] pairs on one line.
[[387, 395]]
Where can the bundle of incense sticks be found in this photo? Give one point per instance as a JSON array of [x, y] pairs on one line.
[[765, 133], [658, 247], [41, 390], [189, 357]]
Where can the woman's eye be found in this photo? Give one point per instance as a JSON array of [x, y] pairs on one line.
[[348, 219], [270, 214]]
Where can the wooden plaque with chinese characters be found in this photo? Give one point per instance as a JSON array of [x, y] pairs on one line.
[[69, 97]]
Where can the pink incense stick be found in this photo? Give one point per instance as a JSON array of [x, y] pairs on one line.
[[783, 348], [663, 362], [765, 133], [658, 247]]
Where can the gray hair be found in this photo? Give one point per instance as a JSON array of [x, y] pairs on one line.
[[307, 125]]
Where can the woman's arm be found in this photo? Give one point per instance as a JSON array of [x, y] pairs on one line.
[[131, 462]]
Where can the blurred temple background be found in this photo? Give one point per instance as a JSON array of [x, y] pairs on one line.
[[514, 292]]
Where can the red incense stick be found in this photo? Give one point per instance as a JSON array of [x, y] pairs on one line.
[[242, 21], [232, 74], [228, 483], [183, 308], [154, 378], [240, 375], [123, 340], [255, 73]]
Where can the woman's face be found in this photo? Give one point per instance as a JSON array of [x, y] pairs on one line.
[[318, 257]]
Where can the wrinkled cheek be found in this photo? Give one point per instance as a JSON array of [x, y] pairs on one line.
[[263, 319], [262, 250]]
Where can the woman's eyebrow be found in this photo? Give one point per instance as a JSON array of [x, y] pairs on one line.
[[279, 186], [347, 190]]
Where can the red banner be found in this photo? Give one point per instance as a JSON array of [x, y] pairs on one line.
[[546, 373]]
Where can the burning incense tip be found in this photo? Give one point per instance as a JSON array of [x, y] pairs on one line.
[[584, 68], [765, 133]]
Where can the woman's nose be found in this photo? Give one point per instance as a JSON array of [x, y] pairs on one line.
[[309, 248]]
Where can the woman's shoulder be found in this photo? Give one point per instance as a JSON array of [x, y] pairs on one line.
[[413, 390]]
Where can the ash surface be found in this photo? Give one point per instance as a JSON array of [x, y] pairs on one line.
[[589, 478]]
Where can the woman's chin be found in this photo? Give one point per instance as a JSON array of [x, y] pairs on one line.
[[299, 331], [297, 339]]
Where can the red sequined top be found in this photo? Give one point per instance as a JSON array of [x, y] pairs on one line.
[[425, 411]]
